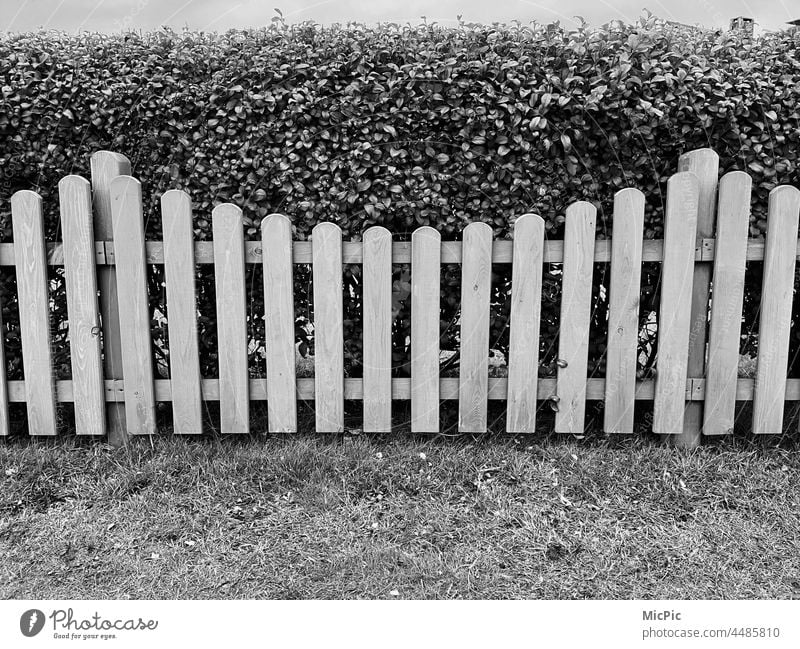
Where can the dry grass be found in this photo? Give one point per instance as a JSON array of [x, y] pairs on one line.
[[315, 517]]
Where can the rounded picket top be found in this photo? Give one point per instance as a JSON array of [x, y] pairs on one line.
[[323, 231], [529, 224], [26, 200], [26, 210], [375, 234], [698, 158], [629, 209], [276, 221], [125, 185], [632, 194], [175, 201], [477, 230], [785, 193], [75, 203], [739, 177], [73, 181], [478, 225], [427, 232], [126, 195], [225, 216], [426, 238], [581, 210], [683, 181], [109, 160], [783, 207]]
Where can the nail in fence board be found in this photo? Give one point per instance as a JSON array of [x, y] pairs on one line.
[[34, 311], [234, 406], [75, 200], [105, 166], [623, 311], [526, 297], [426, 255], [776, 310], [134, 313], [326, 240], [179, 275], [704, 163], [733, 224], [576, 308], [276, 243], [377, 322], [473, 376], [676, 303]]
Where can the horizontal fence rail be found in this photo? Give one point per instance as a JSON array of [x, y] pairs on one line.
[[709, 395], [553, 253]]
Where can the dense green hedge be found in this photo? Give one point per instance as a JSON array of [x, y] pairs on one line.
[[399, 126]]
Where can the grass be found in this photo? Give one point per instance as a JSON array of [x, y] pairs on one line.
[[388, 517]]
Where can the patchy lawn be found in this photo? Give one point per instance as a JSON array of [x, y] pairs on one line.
[[383, 517]]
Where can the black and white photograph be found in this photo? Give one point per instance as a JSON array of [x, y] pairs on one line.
[[484, 310]]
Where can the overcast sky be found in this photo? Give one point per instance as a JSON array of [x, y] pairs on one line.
[[113, 15]]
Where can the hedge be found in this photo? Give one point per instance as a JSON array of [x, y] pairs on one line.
[[401, 126]]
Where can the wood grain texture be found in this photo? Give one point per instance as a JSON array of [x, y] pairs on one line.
[[576, 310], [401, 389], [75, 201], [733, 224], [4, 421], [704, 163], [377, 322], [326, 239], [674, 318], [134, 313], [473, 375], [276, 241], [776, 310], [426, 255], [623, 311], [34, 312], [526, 310], [179, 274], [105, 166], [229, 282], [352, 252]]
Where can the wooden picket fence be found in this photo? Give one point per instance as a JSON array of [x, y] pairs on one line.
[[114, 390]]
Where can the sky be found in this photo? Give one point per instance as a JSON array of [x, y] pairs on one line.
[[218, 15]]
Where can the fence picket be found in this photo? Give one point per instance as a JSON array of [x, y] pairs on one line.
[[105, 166], [426, 256], [234, 398], [5, 428], [704, 163], [377, 322], [276, 243], [134, 312], [576, 307], [473, 376], [623, 311], [722, 367], [75, 200], [680, 224], [34, 311], [179, 275], [326, 240], [526, 297], [776, 310]]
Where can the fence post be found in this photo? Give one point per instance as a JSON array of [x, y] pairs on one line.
[[704, 163], [106, 166]]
